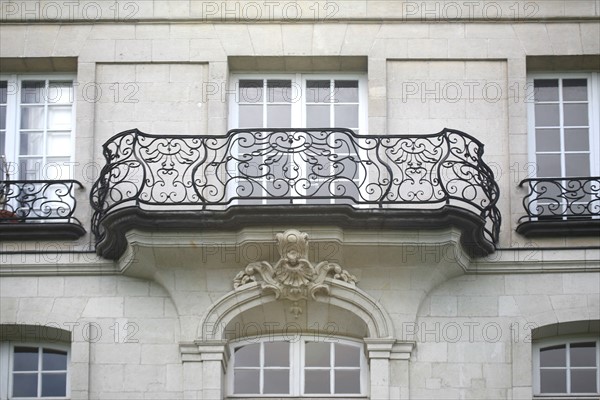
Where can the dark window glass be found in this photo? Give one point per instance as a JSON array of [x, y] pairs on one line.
[[25, 359]]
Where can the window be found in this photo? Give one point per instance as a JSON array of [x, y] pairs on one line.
[[567, 367], [300, 367], [36, 126], [320, 166], [564, 143], [564, 125], [30, 371]]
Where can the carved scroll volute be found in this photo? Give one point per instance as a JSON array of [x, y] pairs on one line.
[[293, 277]]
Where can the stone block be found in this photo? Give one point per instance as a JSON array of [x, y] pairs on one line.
[[98, 307]]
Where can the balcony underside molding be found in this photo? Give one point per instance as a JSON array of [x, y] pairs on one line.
[[40, 231], [119, 222], [555, 228]]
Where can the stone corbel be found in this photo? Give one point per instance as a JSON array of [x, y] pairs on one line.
[[293, 277]]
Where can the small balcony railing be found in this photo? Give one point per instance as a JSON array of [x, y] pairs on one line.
[[33, 209], [300, 167], [559, 206]]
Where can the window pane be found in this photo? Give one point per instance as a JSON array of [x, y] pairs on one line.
[[58, 144], [54, 360], [54, 385], [279, 116], [554, 356], [346, 92], [3, 91], [346, 116], [547, 139], [574, 89], [577, 164], [317, 354], [30, 168], [318, 91], [577, 140], [583, 354], [347, 382], [59, 118], [553, 381], [546, 89], [57, 168], [583, 381], [2, 142], [547, 115], [316, 382], [548, 165], [25, 359], [248, 356], [279, 91], [317, 116], [576, 114], [246, 381], [25, 385], [277, 354], [276, 382], [31, 143], [2, 117], [250, 91], [346, 356], [33, 92], [32, 117], [60, 93], [250, 116]]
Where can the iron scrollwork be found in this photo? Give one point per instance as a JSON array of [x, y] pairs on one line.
[[39, 201], [574, 198], [295, 166]]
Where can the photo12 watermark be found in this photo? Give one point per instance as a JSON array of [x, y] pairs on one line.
[[54, 11]]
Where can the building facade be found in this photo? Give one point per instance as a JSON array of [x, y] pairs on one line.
[[300, 199]]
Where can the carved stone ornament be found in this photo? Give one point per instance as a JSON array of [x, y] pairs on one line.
[[293, 277]]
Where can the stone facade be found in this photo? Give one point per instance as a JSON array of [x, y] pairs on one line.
[[435, 323]]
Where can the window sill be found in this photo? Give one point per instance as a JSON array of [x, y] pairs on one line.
[[566, 396], [567, 227], [40, 231]]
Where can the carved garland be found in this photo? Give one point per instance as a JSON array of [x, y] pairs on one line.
[[293, 277]]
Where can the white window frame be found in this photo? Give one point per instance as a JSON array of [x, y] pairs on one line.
[[297, 349], [13, 116], [537, 346], [6, 367], [593, 117], [298, 106]]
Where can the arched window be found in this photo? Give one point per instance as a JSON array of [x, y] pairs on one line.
[[34, 370], [297, 366], [567, 365]]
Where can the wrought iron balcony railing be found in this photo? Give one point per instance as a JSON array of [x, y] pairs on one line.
[[304, 167], [553, 203], [39, 208]]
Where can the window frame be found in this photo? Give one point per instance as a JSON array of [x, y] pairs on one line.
[[298, 109], [7, 362], [567, 341], [299, 79], [13, 116], [297, 363], [593, 118]]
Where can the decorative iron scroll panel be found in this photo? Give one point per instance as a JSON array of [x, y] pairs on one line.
[[295, 166], [562, 198], [38, 201]]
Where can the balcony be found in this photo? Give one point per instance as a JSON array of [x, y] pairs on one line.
[[40, 209], [294, 176], [561, 206]]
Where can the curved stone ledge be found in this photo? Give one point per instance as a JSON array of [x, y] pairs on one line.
[[118, 223]]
